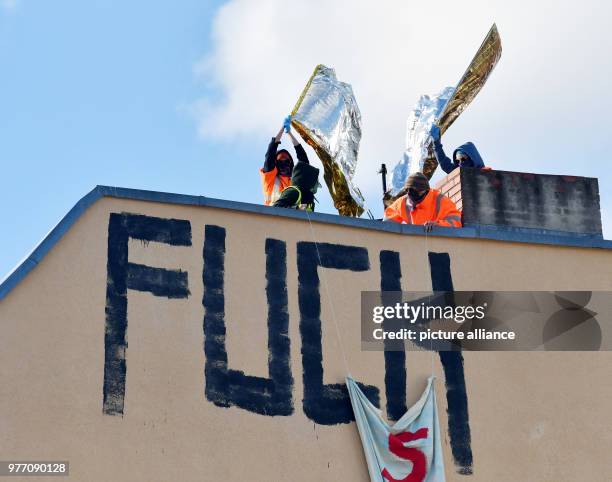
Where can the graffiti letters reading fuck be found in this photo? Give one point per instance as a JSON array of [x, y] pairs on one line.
[[323, 403]]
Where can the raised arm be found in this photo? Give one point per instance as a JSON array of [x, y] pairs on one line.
[[299, 150], [445, 162], [279, 135], [270, 160]]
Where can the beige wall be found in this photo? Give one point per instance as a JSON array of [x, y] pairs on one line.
[[533, 416]]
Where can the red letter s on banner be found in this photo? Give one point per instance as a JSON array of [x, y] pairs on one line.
[[418, 459]]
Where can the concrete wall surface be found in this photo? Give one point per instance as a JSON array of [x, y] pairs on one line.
[[526, 200], [152, 343]]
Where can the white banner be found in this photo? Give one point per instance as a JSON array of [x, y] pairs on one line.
[[408, 451]]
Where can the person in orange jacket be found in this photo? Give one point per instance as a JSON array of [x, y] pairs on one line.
[[278, 166], [423, 205]]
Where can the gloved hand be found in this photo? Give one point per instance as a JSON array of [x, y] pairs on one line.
[[287, 123], [388, 198], [435, 132], [429, 225]]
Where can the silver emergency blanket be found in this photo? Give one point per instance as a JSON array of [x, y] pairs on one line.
[[328, 119], [443, 110], [425, 113]]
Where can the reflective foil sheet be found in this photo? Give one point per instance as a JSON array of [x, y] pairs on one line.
[[474, 78], [419, 123], [443, 110], [328, 119]]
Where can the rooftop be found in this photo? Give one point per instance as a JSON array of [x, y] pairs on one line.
[[497, 233]]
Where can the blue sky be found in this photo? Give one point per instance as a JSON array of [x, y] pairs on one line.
[[183, 96], [90, 95]]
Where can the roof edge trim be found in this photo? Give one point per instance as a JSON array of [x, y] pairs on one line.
[[530, 236]]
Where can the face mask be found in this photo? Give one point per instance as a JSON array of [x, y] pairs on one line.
[[416, 196], [284, 167], [463, 160]]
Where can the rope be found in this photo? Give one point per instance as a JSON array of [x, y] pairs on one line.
[[331, 303], [329, 299], [431, 357]]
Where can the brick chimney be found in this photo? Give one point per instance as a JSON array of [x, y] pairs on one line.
[[558, 204]]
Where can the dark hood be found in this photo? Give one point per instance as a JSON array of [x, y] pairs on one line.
[[305, 176], [470, 149]]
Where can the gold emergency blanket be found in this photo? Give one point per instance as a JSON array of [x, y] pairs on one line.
[[467, 89], [473, 79], [328, 119], [442, 109]]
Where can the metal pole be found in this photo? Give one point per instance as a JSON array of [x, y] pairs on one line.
[[383, 171]]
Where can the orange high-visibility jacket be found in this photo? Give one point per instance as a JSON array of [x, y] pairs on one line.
[[273, 185], [435, 207]]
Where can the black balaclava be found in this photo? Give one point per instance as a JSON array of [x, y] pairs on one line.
[[285, 167], [465, 162], [417, 186]]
